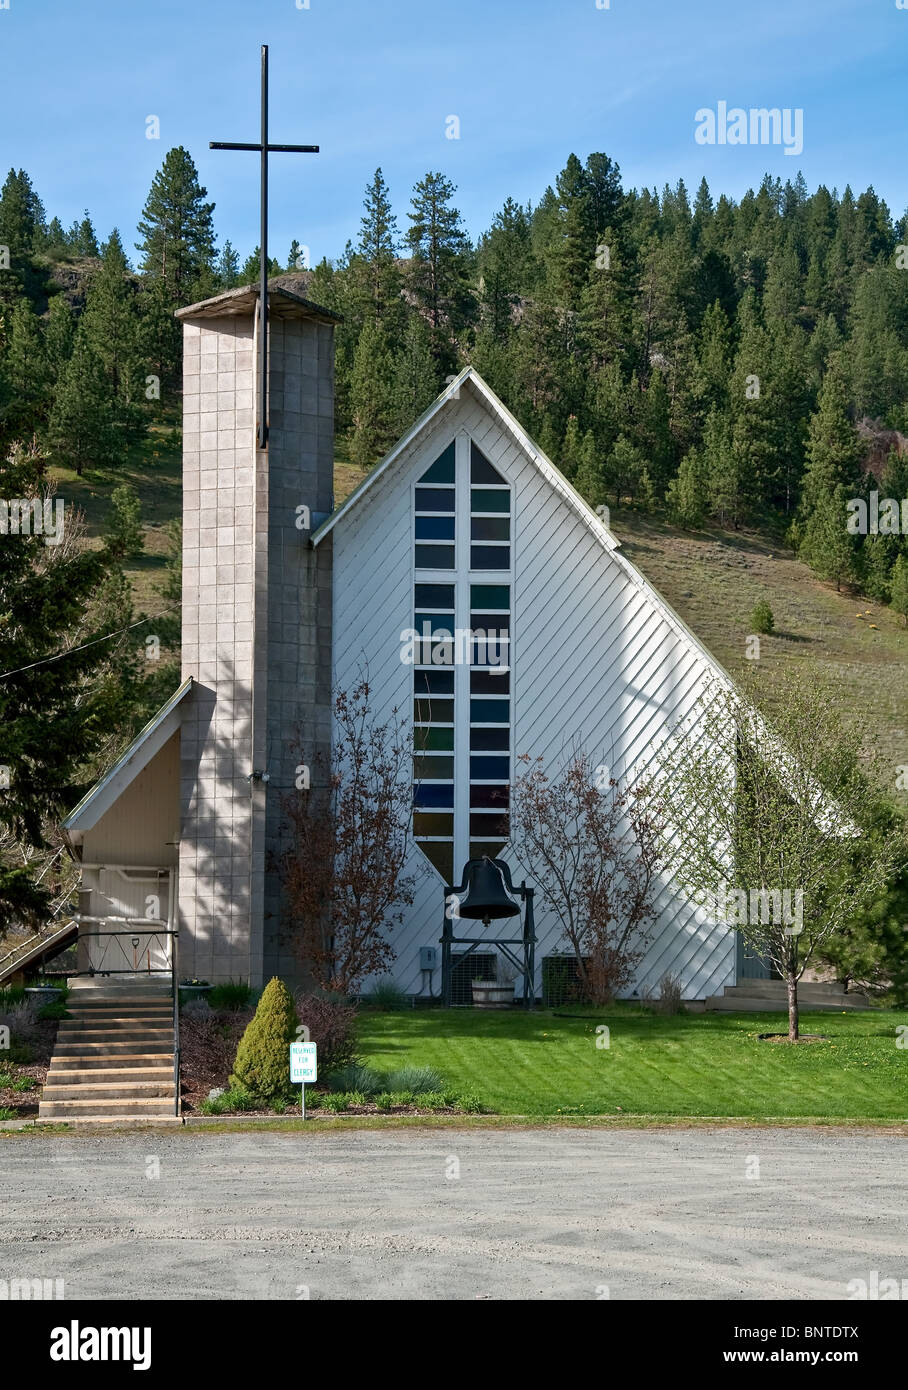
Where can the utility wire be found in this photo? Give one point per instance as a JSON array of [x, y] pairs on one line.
[[45, 661]]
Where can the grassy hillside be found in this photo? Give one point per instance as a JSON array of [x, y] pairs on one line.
[[714, 578], [711, 578]]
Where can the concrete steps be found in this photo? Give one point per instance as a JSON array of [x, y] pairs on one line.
[[769, 996], [113, 1060]]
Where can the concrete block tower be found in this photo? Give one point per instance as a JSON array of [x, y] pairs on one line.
[[256, 617]]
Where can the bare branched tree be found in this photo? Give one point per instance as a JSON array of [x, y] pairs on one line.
[[594, 853], [344, 868]]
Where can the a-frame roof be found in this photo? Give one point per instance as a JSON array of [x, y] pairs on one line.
[[512, 426], [126, 769], [470, 377]]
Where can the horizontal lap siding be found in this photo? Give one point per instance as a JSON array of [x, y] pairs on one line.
[[594, 659]]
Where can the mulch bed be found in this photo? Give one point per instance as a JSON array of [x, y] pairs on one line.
[[25, 1103], [317, 1110]]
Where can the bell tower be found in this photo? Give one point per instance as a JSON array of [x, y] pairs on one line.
[[256, 615]]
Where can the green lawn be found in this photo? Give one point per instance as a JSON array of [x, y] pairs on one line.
[[693, 1064]]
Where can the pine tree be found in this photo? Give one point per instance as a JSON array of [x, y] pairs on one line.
[[416, 383], [655, 433], [81, 428], [124, 524], [372, 396], [604, 193], [53, 714], [177, 232], [572, 253], [826, 545], [713, 369], [624, 469], [437, 275], [377, 249], [20, 214], [26, 374], [252, 268], [899, 586], [590, 477], [228, 269], [720, 469], [606, 313], [58, 336], [87, 240], [571, 446], [110, 324], [833, 447], [507, 267], [159, 334], [688, 492]]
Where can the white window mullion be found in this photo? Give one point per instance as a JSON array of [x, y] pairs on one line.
[[462, 669]]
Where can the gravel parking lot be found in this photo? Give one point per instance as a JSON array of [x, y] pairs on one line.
[[455, 1214]]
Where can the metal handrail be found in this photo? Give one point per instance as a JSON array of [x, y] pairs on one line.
[[175, 987]]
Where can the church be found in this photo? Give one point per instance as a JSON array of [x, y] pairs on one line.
[[464, 525]]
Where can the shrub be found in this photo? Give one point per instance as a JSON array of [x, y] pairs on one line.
[[262, 1064], [24, 1083], [13, 994], [7, 1114], [6, 1079], [336, 1102], [208, 1043], [669, 1001], [356, 1077], [384, 1100], [56, 1010], [388, 996], [761, 619], [415, 1079], [403, 1098], [233, 995], [21, 1017], [314, 1099], [331, 1021]]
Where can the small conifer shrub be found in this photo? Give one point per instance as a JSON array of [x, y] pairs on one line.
[[262, 1065]]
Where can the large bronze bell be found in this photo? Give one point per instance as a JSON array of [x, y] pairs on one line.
[[486, 898]]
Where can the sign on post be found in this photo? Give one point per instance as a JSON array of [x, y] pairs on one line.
[[303, 1069]]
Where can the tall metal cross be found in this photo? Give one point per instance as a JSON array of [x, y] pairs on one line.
[[264, 149]]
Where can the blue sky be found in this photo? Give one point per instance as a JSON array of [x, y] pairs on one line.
[[373, 81]]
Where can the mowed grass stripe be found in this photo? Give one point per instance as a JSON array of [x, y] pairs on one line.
[[693, 1064]]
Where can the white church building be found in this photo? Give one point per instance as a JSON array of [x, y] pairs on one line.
[[465, 524]]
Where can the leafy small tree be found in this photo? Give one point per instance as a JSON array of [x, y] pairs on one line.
[[773, 794], [262, 1065], [592, 849], [343, 870]]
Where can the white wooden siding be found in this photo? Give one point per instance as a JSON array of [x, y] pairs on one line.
[[596, 660]]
